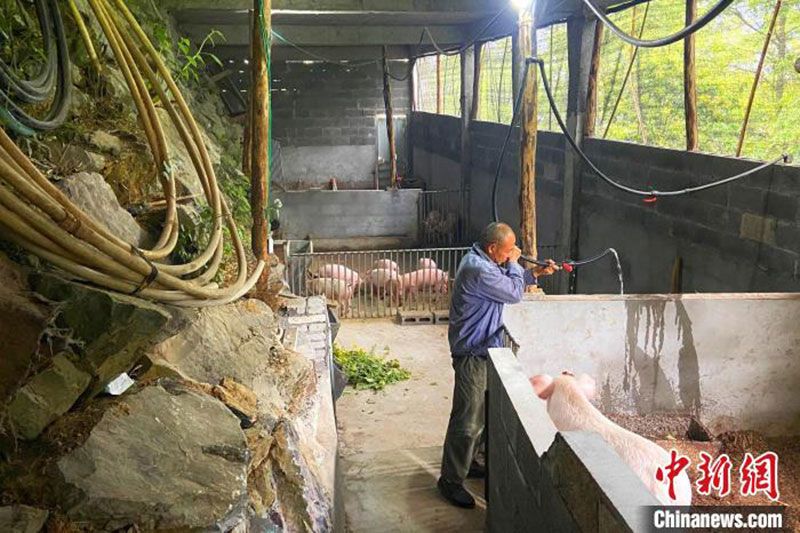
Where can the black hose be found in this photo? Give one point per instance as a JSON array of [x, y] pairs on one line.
[[517, 105], [14, 116], [718, 8], [39, 88], [651, 193]]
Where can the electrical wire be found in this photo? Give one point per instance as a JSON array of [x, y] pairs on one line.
[[718, 8], [653, 193]]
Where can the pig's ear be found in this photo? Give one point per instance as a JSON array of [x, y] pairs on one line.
[[543, 385], [587, 385]]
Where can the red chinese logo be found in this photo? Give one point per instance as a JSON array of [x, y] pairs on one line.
[[714, 474], [760, 475], [677, 464]]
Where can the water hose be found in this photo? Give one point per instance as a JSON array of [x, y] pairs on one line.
[[39, 217]]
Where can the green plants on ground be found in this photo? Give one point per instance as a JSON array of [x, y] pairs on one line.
[[365, 370]]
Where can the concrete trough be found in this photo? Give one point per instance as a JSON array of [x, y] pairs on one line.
[[731, 360]]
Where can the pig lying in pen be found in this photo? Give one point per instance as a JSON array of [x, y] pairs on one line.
[[569, 406]]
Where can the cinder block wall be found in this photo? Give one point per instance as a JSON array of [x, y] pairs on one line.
[[741, 237], [351, 220], [324, 116], [436, 141], [540, 480]]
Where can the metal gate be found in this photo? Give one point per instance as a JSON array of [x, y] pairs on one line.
[[379, 283]]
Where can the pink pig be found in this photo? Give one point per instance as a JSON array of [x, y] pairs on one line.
[[341, 272], [386, 264], [426, 262], [384, 281], [425, 279], [336, 290], [570, 409]]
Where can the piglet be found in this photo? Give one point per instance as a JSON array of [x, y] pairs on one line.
[[383, 281], [425, 280], [426, 262], [386, 264], [340, 272], [336, 290], [570, 409]]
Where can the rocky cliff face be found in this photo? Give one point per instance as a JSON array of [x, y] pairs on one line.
[[224, 428]]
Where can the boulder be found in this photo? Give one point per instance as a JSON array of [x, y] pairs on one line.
[[90, 192], [22, 519], [22, 320], [109, 330], [165, 457], [239, 341], [105, 142], [50, 394]]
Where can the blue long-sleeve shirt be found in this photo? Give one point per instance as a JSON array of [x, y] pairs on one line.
[[480, 289]]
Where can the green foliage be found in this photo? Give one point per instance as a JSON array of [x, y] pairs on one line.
[[194, 58], [365, 370], [651, 105], [21, 44]]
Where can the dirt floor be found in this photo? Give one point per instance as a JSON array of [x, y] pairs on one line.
[[670, 431], [390, 441]]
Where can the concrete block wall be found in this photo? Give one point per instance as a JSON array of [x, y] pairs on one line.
[[324, 116], [436, 141], [351, 220], [741, 237], [541, 480], [305, 322]]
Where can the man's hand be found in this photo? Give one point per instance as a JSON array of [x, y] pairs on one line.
[[540, 271], [516, 253]]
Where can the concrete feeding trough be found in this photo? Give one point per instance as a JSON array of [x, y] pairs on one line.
[[730, 360]]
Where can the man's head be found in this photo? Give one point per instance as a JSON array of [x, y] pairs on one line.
[[498, 241]]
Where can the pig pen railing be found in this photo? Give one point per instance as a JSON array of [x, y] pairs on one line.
[[367, 298], [375, 293]]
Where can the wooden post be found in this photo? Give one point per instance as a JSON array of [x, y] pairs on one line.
[[387, 100], [757, 78], [517, 64], [439, 86], [468, 96], [259, 179], [247, 141], [476, 82], [528, 127], [690, 81], [581, 36], [591, 99]]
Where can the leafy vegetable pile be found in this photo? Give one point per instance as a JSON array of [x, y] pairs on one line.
[[365, 370]]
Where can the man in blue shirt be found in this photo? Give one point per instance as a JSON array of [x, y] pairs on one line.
[[488, 277]]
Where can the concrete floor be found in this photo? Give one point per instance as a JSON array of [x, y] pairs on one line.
[[390, 441]]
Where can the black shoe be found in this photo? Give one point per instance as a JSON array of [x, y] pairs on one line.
[[476, 471], [456, 494]]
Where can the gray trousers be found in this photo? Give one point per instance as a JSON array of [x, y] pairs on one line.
[[465, 429]]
